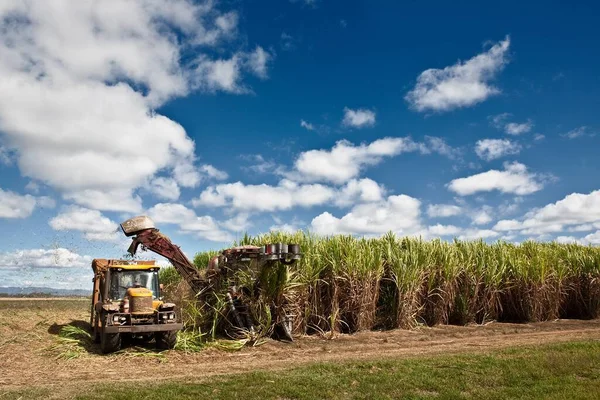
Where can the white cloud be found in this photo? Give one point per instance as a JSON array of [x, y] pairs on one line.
[[45, 202], [443, 210], [513, 128], [287, 228], [442, 230], [290, 227], [81, 81], [238, 223], [204, 227], [360, 118], [574, 210], [287, 42], [108, 199], [491, 149], [592, 238], [14, 205], [577, 133], [584, 227], [307, 125], [7, 156], [439, 145], [260, 165], [213, 172], [476, 234], [359, 191], [346, 160], [165, 188], [264, 197], [482, 216], [91, 223], [499, 121], [258, 62], [538, 137], [460, 85], [288, 194], [44, 258], [400, 214], [514, 179]]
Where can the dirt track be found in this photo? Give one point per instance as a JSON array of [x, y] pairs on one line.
[[28, 329]]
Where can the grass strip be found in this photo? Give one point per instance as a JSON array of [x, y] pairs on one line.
[[558, 371]]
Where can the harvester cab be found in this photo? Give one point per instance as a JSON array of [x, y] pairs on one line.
[[255, 259], [127, 303]]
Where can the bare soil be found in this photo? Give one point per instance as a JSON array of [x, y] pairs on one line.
[[29, 328]]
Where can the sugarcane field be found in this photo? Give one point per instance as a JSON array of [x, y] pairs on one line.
[[299, 199]]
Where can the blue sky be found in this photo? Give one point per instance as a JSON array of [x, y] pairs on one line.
[[431, 120]]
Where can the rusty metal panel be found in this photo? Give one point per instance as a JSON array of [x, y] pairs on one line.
[[137, 224]]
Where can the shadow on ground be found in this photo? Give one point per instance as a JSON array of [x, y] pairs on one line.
[[81, 332]]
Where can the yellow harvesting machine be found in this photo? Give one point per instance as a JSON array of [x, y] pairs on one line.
[[127, 303]]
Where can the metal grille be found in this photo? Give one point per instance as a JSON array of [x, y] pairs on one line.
[[141, 305]]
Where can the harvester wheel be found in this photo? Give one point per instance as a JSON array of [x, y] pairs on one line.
[[165, 340], [110, 342], [96, 330]]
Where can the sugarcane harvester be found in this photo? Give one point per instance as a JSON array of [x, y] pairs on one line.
[[251, 258]]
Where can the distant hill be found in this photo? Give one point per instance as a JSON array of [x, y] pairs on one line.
[[41, 292]]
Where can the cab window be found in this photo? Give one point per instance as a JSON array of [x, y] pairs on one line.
[[121, 280]]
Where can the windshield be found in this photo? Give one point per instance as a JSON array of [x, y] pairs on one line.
[[122, 280]]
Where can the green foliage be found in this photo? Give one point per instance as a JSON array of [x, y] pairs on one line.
[[345, 283], [550, 372], [201, 259], [168, 276]]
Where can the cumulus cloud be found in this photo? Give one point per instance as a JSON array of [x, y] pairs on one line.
[[108, 199], [44, 258], [515, 179], [186, 219], [591, 239], [290, 226], [165, 188], [213, 172], [287, 195], [359, 118], [400, 214], [14, 205], [513, 128], [491, 149], [577, 133], [346, 160], [307, 125], [438, 145], [441, 230], [91, 223], [575, 210], [238, 223], [500, 121], [476, 234], [81, 82], [258, 61], [443, 210], [460, 85], [482, 216]]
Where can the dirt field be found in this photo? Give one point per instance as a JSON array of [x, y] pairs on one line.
[[29, 328]]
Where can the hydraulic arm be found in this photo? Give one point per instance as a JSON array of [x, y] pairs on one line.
[[144, 233]]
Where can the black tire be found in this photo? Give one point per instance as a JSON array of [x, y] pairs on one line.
[[96, 329], [165, 340], [110, 342]]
